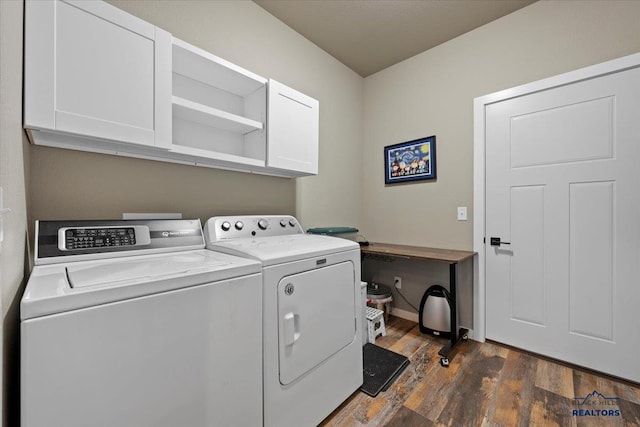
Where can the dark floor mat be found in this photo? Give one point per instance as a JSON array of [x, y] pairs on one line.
[[381, 367]]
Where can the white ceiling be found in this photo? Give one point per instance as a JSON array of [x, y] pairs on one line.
[[370, 35]]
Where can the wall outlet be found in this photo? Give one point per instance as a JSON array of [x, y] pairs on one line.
[[397, 282], [462, 213]]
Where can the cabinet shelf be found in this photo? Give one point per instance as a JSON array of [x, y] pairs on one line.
[[203, 156], [202, 66], [219, 110], [209, 116]]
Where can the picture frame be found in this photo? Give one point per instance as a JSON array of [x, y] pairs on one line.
[[410, 161]]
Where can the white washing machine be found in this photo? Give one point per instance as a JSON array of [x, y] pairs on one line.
[[312, 321], [134, 323]]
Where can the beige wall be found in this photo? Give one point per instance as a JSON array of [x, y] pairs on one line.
[[432, 94], [69, 184], [13, 160]]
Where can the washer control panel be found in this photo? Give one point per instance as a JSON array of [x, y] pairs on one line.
[[72, 238], [236, 227], [81, 240]]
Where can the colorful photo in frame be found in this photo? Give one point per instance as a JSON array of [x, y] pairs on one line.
[[410, 161]]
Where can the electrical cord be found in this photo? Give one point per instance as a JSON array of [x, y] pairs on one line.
[[406, 300]]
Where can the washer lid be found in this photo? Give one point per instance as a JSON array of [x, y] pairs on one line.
[[134, 270], [278, 249], [63, 287]]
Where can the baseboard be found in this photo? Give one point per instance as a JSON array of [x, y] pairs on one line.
[[404, 314], [409, 315]]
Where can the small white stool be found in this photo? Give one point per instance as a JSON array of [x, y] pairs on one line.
[[383, 304], [375, 317]]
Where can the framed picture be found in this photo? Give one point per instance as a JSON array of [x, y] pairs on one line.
[[410, 161]]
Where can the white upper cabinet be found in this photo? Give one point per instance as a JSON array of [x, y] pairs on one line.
[[93, 70], [99, 79], [292, 131]]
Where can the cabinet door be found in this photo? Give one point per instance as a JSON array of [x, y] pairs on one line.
[[292, 130], [92, 69]]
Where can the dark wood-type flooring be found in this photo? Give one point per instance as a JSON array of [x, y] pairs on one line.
[[485, 385]]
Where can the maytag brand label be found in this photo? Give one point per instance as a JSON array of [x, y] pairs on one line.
[[174, 233]]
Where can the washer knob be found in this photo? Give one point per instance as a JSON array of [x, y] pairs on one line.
[[283, 223], [225, 226], [239, 225], [262, 224], [292, 222]]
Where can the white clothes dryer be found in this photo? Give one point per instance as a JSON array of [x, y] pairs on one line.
[[134, 323], [312, 325]]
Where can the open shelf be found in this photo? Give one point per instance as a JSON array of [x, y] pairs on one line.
[[199, 153], [202, 66], [219, 110], [209, 116]]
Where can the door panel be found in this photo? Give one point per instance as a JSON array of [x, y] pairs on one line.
[[591, 243], [292, 131], [561, 134], [527, 263], [561, 177], [100, 64], [316, 317]]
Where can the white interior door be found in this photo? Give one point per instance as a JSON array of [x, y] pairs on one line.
[[562, 170]]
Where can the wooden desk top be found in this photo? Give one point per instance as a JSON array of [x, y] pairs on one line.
[[416, 252]]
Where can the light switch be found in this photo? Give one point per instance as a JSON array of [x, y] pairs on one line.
[[462, 213]]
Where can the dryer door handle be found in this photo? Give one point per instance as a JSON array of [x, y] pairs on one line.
[[291, 328]]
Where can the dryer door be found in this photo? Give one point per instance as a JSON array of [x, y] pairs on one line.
[[316, 312]]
